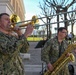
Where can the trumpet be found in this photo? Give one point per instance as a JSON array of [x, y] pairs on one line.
[[15, 20]]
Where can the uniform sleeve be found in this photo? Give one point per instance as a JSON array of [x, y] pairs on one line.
[[45, 52], [25, 44]]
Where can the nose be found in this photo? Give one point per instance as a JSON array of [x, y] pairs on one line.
[[9, 21]]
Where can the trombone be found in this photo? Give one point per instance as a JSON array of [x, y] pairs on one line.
[[15, 20]]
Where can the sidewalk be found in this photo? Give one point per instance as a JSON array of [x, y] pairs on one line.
[[33, 66]]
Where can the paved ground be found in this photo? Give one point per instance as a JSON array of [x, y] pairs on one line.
[[33, 66]]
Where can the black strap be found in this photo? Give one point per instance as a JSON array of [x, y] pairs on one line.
[[60, 47]]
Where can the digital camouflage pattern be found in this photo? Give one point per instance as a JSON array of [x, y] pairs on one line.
[[50, 53], [10, 48]]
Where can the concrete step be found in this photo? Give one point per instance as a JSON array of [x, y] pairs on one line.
[[33, 68]]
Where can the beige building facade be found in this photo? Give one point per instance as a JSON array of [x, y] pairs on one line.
[[13, 7]]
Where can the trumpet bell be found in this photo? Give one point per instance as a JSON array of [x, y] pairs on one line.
[[14, 18]]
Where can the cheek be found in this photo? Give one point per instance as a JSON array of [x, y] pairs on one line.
[[64, 35], [4, 24]]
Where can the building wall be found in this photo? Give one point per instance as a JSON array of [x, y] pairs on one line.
[[13, 7]]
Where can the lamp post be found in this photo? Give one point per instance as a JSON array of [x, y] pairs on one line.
[[55, 30]]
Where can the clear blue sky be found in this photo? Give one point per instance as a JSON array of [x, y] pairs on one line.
[[31, 8]]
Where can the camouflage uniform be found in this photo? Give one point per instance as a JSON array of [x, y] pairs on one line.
[[10, 61], [50, 53]]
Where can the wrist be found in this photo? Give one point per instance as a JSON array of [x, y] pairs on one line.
[[25, 35], [20, 36], [19, 33]]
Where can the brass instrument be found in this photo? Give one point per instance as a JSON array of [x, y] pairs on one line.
[[62, 61], [15, 20]]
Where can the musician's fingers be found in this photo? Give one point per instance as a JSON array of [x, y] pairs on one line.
[[75, 51], [16, 28]]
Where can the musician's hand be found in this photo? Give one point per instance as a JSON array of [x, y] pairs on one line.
[[50, 67], [28, 30], [75, 51], [17, 30], [68, 54]]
